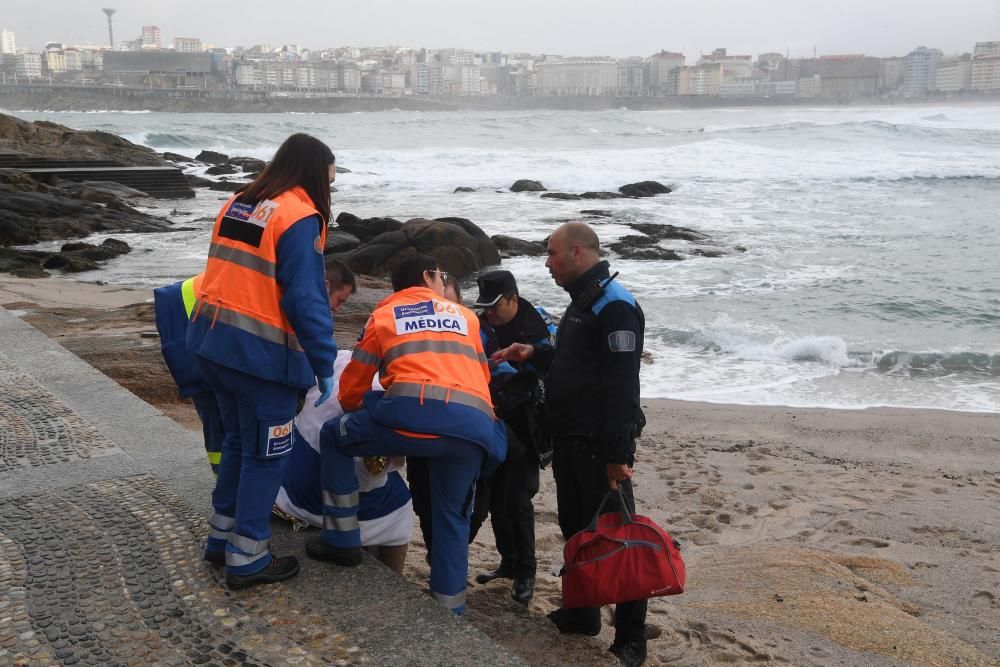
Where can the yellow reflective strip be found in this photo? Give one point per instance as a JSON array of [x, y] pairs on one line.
[[187, 293]]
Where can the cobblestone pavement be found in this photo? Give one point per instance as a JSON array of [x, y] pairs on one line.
[[37, 429], [110, 573]]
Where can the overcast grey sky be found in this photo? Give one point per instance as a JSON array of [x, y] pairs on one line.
[[570, 27]]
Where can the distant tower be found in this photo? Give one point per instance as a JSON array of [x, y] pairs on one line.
[[111, 32]]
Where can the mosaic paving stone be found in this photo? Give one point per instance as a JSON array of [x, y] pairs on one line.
[[110, 573], [36, 429]]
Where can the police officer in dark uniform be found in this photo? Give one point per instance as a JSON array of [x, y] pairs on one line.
[[510, 318], [593, 412]]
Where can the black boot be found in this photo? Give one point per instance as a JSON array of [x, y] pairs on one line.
[[277, 570], [570, 624], [316, 547], [215, 557], [630, 654], [523, 589], [503, 572]]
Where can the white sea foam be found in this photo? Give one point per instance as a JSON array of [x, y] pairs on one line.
[[869, 233]]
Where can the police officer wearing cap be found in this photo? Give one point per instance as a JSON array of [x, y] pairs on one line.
[[510, 318], [593, 412]]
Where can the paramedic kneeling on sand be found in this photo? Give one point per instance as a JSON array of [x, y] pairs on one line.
[[436, 404], [592, 403]]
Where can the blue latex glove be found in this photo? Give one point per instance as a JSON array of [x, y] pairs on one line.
[[325, 390]]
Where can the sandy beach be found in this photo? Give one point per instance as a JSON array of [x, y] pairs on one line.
[[811, 537]]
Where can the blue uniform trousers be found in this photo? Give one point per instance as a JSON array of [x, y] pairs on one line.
[[211, 426], [257, 418], [453, 466]]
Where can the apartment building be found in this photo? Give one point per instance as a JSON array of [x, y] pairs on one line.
[[920, 71], [660, 66], [188, 45], [843, 76], [954, 73], [584, 76], [7, 42], [29, 64], [151, 37], [733, 67], [701, 79]]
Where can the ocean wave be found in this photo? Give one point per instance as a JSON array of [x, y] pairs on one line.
[[832, 351]]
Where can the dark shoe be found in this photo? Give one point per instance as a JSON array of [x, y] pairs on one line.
[[569, 624], [215, 557], [277, 570], [630, 654], [523, 590], [502, 572], [317, 548]]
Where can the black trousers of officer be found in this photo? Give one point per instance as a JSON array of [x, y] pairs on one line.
[[581, 484], [512, 513]]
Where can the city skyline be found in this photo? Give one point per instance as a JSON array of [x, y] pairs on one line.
[[633, 28]]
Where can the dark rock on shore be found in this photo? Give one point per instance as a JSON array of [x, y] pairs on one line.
[[338, 241], [644, 189], [72, 258], [221, 169], [212, 157], [663, 232], [463, 189], [342, 170], [470, 227], [368, 228], [31, 212], [525, 185], [459, 246], [102, 192], [44, 139], [566, 196], [177, 157], [601, 195], [247, 164], [224, 185], [510, 246], [198, 181], [597, 213]]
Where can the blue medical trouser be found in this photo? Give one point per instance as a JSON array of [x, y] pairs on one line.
[[453, 464], [255, 415], [211, 426]]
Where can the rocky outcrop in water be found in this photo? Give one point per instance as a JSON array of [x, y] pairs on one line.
[[526, 185], [644, 189], [510, 246], [460, 246]]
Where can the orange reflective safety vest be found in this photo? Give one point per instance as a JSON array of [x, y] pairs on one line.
[[239, 288], [430, 359]]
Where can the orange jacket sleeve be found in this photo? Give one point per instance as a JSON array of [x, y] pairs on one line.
[[357, 376]]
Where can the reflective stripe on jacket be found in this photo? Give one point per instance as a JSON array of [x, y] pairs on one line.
[[429, 356], [238, 320]]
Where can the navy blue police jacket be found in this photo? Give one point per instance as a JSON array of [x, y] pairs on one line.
[[592, 374]]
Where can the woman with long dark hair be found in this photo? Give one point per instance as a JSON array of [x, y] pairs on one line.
[[262, 330]]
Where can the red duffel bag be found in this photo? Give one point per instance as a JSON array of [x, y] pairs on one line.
[[620, 557]]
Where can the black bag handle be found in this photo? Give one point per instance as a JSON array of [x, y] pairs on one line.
[[621, 499]]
